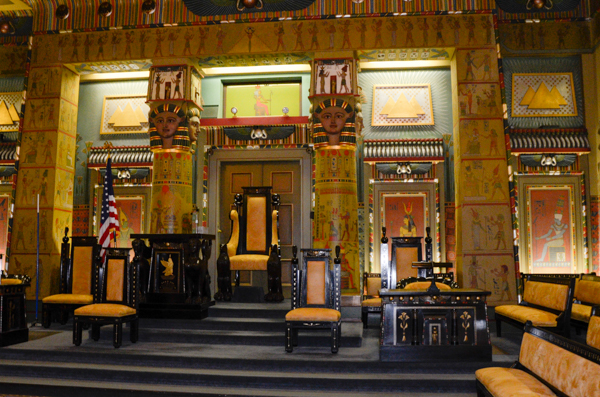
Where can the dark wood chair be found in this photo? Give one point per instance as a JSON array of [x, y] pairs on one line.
[[116, 300], [371, 301], [405, 251], [77, 288], [316, 296], [253, 244]]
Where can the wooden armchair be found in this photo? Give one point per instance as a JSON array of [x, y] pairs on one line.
[[77, 266], [115, 302], [316, 296], [253, 244]]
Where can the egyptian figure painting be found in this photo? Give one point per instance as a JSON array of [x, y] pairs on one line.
[[551, 248], [405, 215]]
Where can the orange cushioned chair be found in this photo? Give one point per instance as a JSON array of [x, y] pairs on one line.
[[371, 302], [116, 301], [76, 287], [316, 296], [253, 244]]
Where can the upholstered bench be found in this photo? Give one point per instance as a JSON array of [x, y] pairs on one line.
[[546, 302], [587, 296], [548, 365]]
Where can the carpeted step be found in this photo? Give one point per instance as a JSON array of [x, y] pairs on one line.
[[317, 338], [308, 382], [249, 310], [217, 323]]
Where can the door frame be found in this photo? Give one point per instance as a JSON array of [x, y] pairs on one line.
[[220, 156]]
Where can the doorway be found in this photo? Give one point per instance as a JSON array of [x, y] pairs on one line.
[[288, 172]]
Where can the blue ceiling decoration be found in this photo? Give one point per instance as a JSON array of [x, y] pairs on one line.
[[229, 7], [531, 6]]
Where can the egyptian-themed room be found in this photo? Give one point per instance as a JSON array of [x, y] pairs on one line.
[[197, 154]]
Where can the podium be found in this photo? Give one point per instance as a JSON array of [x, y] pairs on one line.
[[173, 274], [13, 323]]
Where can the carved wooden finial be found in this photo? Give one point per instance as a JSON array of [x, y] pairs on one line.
[[384, 239], [337, 255]]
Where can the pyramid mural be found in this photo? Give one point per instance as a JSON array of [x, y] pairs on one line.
[[402, 108], [543, 98], [128, 117], [8, 116]]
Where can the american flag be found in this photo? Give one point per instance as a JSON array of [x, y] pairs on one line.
[[109, 219]]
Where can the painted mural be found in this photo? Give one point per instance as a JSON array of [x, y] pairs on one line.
[[551, 229]]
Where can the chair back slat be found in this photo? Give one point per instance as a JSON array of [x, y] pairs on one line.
[[83, 266], [115, 279], [257, 214], [315, 283], [256, 223]]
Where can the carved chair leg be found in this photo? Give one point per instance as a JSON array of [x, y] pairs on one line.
[[63, 317], [96, 332], [335, 337], [365, 319], [117, 334], [76, 333], [46, 315], [237, 278], [498, 328], [134, 330], [295, 336], [289, 346]]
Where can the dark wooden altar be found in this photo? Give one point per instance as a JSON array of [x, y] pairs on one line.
[[433, 325], [173, 274], [13, 323]]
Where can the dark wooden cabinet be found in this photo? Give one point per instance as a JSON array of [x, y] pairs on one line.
[[173, 274], [430, 325]]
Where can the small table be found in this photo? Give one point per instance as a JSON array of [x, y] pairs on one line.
[[433, 325]]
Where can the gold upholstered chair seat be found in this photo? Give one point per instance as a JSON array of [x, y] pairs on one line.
[[539, 318], [581, 312], [511, 382], [313, 314], [372, 302], [10, 281], [249, 262], [253, 243], [115, 304], [75, 299], [592, 338], [105, 309], [316, 289], [78, 265]]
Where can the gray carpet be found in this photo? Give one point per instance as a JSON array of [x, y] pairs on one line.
[[238, 350]]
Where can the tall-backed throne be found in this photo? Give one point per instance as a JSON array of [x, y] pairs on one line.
[[254, 242]]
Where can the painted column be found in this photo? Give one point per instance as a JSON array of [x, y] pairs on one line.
[[485, 248], [334, 117], [46, 169], [175, 105]]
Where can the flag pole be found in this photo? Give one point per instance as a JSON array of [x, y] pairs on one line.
[[37, 267]]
